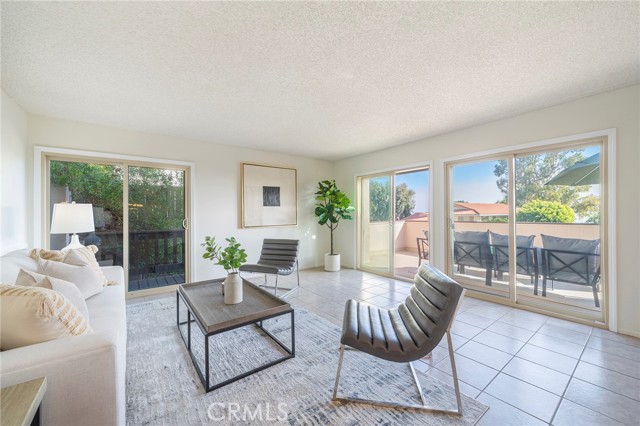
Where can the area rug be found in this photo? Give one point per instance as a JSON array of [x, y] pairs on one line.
[[163, 387]]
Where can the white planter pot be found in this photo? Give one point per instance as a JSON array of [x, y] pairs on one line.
[[331, 262], [233, 289]]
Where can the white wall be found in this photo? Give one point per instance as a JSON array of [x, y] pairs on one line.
[[618, 109], [14, 233], [217, 192]]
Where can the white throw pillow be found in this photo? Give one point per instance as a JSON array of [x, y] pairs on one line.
[[79, 257], [84, 276], [31, 315], [69, 290]]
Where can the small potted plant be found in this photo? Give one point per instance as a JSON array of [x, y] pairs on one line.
[[332, 205], [230, 258]]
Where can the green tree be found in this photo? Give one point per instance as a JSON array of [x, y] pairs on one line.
[[405, 201], [532, 172], [98, 184], [379, 201], [545, 211]]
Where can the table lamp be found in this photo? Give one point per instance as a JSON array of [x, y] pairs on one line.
[[71, 219]]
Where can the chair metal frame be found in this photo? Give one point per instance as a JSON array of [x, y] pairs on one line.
[[287, 289], [479, 253], [423, 406], [580, 266], [423, 249]]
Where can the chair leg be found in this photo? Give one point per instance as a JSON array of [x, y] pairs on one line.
[[335, 388], [423, 407], [595, 295]]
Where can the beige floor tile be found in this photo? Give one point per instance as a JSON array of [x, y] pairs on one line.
[[498, 341], [618, 407], [485, 355], [502, 414], [465, 330], [620, 349], [537, 375], [613, 362], [531, 399], [512, 331], [469, 371], [547, 358], [474, 319], [572, 414], [447, 379], [561, 333], [616, 382], [557, 345]]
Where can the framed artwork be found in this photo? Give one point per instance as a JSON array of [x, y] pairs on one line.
[[269, 196]]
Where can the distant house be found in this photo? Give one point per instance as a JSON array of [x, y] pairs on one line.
[[479, 212]]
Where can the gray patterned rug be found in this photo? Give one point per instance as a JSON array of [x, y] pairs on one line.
[[163, 387]]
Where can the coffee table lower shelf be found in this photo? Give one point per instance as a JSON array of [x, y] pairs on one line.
[[205, 378]]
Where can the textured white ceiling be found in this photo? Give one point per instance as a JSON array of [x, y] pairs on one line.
[[323, 79]]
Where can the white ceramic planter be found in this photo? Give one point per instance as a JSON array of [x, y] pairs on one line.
[[331, 262], [233, 289]]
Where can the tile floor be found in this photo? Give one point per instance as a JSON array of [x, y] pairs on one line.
[[529, 368]]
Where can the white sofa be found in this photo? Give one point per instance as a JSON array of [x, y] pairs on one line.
[[85, 374]]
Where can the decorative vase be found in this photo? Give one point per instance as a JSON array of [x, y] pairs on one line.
[[331, 262], [232, 289]]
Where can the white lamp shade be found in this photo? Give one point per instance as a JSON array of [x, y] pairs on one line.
[[72, 218]]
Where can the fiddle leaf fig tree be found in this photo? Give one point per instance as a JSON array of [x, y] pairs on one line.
[[332, 206]]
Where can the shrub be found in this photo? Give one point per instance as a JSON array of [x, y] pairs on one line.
[[545, 211]]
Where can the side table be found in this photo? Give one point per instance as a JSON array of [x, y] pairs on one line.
[[20, 404]]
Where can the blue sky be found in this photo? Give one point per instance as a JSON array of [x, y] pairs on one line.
[[419, 182], [476, 183]]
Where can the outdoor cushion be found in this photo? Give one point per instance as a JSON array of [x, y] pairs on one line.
[[579, 266], [473, 237], [523, 241], [524, 259], [472, 249]]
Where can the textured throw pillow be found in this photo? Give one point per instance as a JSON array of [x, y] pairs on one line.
[[31, 315], [79, 257], [69, 290], [84, 277]]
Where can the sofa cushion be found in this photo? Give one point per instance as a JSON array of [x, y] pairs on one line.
[[79, 257], [84, 276], [33, 315], [69, 290], [12, 262]]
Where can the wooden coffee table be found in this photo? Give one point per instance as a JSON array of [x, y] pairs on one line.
[[206, 308]]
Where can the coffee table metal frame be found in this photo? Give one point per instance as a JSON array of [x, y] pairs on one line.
[[191, 317]]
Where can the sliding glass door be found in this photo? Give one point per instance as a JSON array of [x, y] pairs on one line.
[[527, 227], [149, 237], [157, 223], [393, 219], [376, 224]]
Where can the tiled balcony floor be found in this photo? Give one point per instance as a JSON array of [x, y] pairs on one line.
[[529, 368]]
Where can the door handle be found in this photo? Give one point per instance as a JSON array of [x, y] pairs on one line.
[[185, 223]]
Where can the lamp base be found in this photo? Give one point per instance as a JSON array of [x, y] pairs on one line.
[[74, 244]]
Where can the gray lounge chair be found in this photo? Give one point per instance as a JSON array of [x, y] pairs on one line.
[[278, 257], [526, 255], [406, 333], [472, 248]]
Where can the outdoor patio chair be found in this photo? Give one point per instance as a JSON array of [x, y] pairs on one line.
[[406, 333], [423, 247], [278, 257], [571, 260], [473, 249], [526, 255]]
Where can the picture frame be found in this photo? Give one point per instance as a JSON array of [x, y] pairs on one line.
[[269, 195]]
